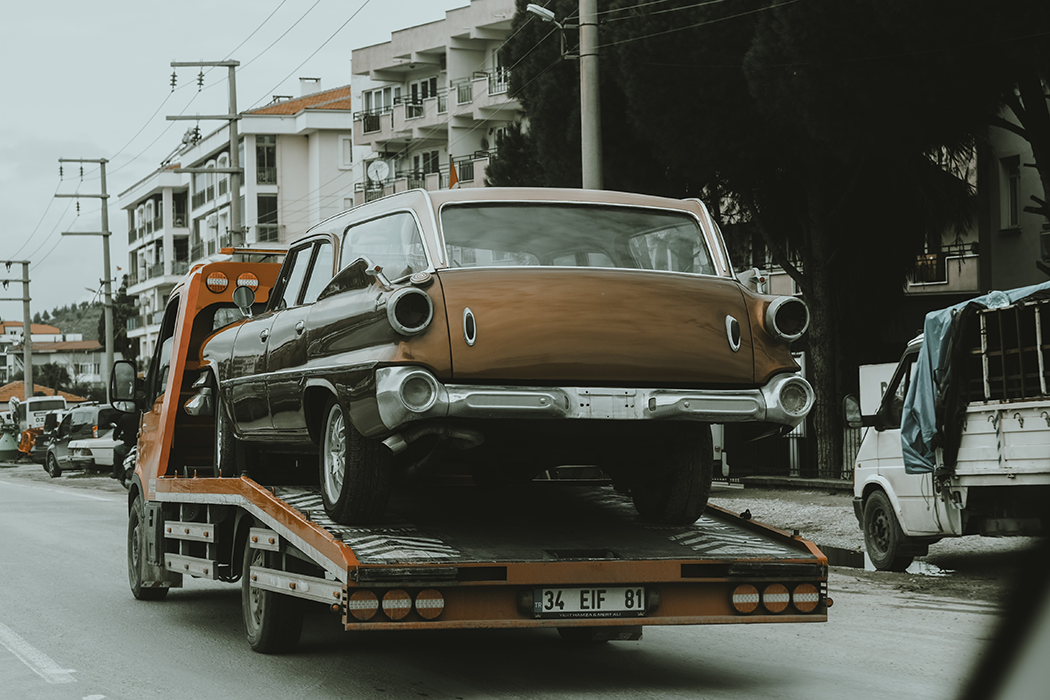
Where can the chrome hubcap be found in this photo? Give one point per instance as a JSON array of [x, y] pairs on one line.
[[334, 453]]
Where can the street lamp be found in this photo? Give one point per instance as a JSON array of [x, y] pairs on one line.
[[590, 98]]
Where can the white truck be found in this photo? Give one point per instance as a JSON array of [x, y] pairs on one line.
[[960, 444]]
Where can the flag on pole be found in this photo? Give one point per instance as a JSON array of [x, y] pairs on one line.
[[453, 178]]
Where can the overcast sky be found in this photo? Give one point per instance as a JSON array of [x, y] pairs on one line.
[[92, 80]]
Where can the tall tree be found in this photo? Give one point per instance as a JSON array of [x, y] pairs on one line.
[[814, 122], [123, 309]]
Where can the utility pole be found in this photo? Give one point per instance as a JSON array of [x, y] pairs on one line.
[[107, 289], [234, 171], [27, 325], [590, 99]]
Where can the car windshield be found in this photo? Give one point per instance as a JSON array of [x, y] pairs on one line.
[[573, 235]]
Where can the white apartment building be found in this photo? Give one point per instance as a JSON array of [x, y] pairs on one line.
[[435, 93], [297, 159], [81, 358]]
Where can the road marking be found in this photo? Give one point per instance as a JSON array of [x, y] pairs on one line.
[[55, 489], [39, 662]]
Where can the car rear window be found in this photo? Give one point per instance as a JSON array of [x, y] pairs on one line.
[[573, 235]]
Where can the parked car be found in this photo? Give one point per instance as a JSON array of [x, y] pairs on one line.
[[83, 440], [504, 332]]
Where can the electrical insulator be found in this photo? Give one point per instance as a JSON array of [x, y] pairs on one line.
[[174, 81], [81, 172], [60, 171], [78, 207], [200, 80]]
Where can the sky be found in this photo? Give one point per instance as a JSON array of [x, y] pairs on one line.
[[92, 80]]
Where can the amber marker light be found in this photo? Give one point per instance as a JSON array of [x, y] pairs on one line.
[[776, 598], [396, 604], [805, 597], [363, 605], [745, 598], [217, 282], [430, 604], [249, 280]]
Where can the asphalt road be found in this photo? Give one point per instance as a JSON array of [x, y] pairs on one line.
[[70, 629]]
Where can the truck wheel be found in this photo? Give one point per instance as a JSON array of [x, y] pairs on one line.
[[225, 443], [273, 622], [136, 555], [355, 471], [679, 495], [883, 536], [52, 467]]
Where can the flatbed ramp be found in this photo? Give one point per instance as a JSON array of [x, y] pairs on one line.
[[540, 554]]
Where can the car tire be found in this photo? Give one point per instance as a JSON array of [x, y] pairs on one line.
[[52, 466], [226, 462], [355, 471], [137, 553], [273, 622], [679, 495], [883, 537]]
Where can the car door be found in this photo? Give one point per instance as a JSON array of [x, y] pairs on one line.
[[286, 355], [913, 491], [60, 448]]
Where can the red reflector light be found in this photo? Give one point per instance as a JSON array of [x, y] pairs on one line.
[[363, 605], [805, 597], [396, 604], [217, 282], [429, 604], [745, 598], [776, 598]]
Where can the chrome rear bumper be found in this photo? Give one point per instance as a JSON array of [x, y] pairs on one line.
[[406, 394]]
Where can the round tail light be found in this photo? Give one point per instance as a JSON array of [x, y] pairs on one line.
[[787, 318], [796, 397], [775, 598], [410, 310], [419, 392]]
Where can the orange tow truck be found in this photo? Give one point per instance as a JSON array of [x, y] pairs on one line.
[[554, 553]]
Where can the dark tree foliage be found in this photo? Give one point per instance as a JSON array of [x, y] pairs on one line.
[[123, 309], [820, 127], [53, 376]]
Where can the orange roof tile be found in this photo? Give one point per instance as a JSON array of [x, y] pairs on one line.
[[17, 390], [34, 328], [336, 98], [66, 346]]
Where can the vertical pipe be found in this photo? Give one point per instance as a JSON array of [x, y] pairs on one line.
[[27, 335], [235, 177], [984, 357], [1039, 348], [107, 289], [590, 98]]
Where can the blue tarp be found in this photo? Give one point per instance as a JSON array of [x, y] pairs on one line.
[[919, 420]]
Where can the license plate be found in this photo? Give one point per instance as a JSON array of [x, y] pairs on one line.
[[591, 602]]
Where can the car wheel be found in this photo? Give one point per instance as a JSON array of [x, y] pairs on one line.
[[273, 622], [52, 467], [137, 554], [355, 471], [678, 496], [226, 463], [883, 536]]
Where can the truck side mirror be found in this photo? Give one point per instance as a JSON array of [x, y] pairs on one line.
[[851, 412], [244, 297], [123, 385]]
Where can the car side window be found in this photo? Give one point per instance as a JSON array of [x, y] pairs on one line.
[[393, 242], [63, 427], [293, 274], [893, 402], [320, 272]]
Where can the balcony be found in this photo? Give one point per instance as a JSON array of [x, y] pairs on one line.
[[442, 103], [464, 93], [499, 81], [224, 185], [199, 199], [196, 251], [268, 233], [156, 270], [952, 269], [157, 224], [266, 175]]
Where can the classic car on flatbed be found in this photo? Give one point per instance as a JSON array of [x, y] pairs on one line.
[[499, 333]]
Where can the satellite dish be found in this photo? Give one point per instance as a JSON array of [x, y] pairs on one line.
[[378, 170]]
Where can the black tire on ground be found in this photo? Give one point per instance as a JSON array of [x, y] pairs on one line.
[[883, 537], [52, 466], [226, 462], [355, 471], [137, 553], [679, 495], [273, 622]]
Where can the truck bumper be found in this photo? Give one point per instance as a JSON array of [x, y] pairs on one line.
[[406, 394], [858, 510]]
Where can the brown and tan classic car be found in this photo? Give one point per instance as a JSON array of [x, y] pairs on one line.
[[502, 332]]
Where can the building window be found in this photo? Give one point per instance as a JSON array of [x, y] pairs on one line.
[[267, 228], [1011, 191], [266, 159], [346, 152]]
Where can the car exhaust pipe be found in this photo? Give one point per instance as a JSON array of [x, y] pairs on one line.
[[466, 439]]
